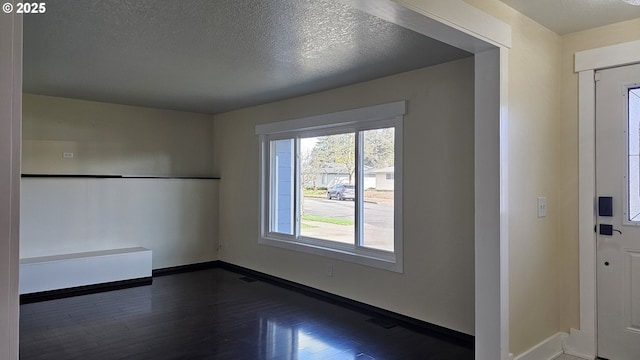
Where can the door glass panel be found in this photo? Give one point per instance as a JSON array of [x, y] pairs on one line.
[[379, 183], [328, 177], [633, 148]]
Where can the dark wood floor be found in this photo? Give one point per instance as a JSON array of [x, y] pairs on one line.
[[214, 314]]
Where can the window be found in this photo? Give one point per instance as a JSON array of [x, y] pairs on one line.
[[633, 155], [319, 189]]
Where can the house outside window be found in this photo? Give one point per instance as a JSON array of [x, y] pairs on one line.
[[320, 192]]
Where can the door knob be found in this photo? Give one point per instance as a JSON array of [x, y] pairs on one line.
[[606, 229]]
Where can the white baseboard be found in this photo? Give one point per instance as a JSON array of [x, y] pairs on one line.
[[581, 344], [547, 349]]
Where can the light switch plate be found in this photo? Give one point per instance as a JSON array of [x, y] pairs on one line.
[[542, 207]]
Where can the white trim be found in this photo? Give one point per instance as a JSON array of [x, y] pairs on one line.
[[10, 138], [442, 20], [398, 245], [586, 62], [340, 118], [344, 255], [608, 56], [586, 207], [491, 211], [504, 200], [547, 349], [579, 340]]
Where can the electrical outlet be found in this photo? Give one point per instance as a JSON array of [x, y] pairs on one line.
[[67, 155], [329, 270], [542, 207]]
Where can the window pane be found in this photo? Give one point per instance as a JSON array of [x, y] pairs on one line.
[[328, 177], [634, 154], [378, 162], [282, 184]]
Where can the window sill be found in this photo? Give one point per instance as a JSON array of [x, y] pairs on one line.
[[388, 262]]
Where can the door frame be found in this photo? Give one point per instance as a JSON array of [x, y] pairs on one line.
[[584, 341], [10, 130]]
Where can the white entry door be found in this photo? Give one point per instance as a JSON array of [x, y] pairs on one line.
[[618, 210]]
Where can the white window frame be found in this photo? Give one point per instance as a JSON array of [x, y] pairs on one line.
[[368, 118]]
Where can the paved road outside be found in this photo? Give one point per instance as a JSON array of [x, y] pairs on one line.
[[378, 222]]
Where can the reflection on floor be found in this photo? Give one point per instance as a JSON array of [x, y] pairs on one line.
[[213, 314]]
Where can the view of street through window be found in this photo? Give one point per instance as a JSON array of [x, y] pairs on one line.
[[330, 188]]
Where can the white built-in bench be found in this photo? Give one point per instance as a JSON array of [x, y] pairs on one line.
[[56, 272]]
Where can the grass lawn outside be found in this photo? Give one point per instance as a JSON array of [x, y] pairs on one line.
[[314, 193], [330, 220]]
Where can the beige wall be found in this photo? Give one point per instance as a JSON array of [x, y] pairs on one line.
[[113, 139], [438, 281], [535, 258]]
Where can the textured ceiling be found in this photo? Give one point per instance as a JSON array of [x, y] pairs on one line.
[[568, 16], [213, 56]]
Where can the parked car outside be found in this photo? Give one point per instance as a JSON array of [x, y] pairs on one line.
[[342, 192]]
